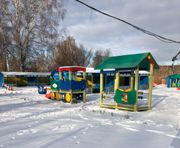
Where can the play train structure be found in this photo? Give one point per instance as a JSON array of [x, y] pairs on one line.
[[69, 84]]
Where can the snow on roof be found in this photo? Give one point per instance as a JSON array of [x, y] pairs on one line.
[[92, 70], [26, 73]]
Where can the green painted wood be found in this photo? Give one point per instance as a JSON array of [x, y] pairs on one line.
[[130, 61], [122, 97], [175, 76]]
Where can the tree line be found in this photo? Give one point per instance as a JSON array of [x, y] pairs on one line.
[[30, 38]]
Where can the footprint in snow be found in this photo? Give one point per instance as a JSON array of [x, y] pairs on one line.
[[36, 121], [56, 128], [75, 138], [23, 132]]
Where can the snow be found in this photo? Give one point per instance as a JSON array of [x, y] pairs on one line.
[[29, 120]]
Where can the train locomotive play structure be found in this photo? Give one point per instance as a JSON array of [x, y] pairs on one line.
[[128, 98], [68, 84]]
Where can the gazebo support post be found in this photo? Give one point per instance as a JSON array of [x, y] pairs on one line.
[[132, 79], [116, 86], [136, 87], [150, 87], [101, 88]]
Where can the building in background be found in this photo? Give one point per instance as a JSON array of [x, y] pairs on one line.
[[26, 78], [173, 81]]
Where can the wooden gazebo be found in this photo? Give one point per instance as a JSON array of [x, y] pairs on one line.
[[128, 99]]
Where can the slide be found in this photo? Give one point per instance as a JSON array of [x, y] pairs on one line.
[[89, 83]]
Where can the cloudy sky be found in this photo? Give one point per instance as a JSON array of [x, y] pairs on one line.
[[96, 31]]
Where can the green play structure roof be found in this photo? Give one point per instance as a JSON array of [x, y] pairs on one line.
[[130, 61], [174, 76]]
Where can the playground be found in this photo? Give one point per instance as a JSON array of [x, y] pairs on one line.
[[28, 119], [122, 106]]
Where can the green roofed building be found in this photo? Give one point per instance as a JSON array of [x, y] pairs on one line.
[[128, 98], [173, 81]]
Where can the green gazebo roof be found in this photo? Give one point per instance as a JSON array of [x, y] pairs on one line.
[[130, 61]]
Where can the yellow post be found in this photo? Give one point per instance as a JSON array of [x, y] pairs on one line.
[[116, 86], [84, 92], [116, 83], [132, 79], [150, 87], [70, 78], [60, 75], [101, 88], [136, 87], [92, 82]]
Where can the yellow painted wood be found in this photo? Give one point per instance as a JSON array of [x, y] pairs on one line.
[[92, 82], [116, 86], [70, 78], [84, 96], [150, 87], [136, 87], [116, 83], [101, 89], [116, 106], [68, 97], [60, 75], [71, 96], [119, 107], [84, 92], [52, 95], [58, 96]]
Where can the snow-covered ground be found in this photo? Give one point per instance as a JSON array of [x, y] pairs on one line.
[[29, 120]]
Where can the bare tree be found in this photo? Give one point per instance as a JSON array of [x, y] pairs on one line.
[[4, 42], [32, 27], [99, 56], [164, 72], [68, 53]]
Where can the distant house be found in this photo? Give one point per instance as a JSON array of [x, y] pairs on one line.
[[173, 80]]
